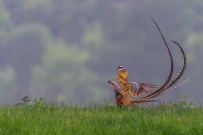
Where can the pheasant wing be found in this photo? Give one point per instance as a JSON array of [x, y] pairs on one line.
[[137, 88], [115, 85]]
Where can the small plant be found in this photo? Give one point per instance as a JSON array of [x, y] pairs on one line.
[[182, 102], [38, 102], [185, 103], [26, 101]]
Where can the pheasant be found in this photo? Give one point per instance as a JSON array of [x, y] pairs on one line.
[[134, 88], [122, 87]]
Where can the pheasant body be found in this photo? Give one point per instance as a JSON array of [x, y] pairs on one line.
[[134, 88]]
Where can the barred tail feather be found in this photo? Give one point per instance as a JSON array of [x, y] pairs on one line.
[[173, 88], [146, 102], [151, 101], [179, 75], [171, 58]]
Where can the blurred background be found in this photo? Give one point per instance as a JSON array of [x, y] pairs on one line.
[[67, 50]]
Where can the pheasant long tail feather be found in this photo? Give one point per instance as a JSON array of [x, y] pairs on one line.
[[137, 103], [172, 65], [173, 88], [178, 76], [148, 101]]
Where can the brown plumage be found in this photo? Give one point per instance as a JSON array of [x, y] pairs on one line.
[[122, 96], [134, 88], [121, 86]]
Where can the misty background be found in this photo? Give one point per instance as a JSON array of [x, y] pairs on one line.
[[67, 50]]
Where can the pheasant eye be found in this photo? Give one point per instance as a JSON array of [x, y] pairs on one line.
[[120, 67]]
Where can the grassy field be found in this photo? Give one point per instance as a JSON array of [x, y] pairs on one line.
[[101, 119]]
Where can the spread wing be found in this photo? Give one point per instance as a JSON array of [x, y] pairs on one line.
[[137, 88], [115, 85], [118, 91]]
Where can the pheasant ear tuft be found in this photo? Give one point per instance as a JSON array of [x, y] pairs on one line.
[[120, 68]]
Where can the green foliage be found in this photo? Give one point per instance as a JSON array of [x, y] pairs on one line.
[[183, 101], [38, 102], [27, 102], [100, 119]]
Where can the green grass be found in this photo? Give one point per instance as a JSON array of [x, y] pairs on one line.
[[100, 119]]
